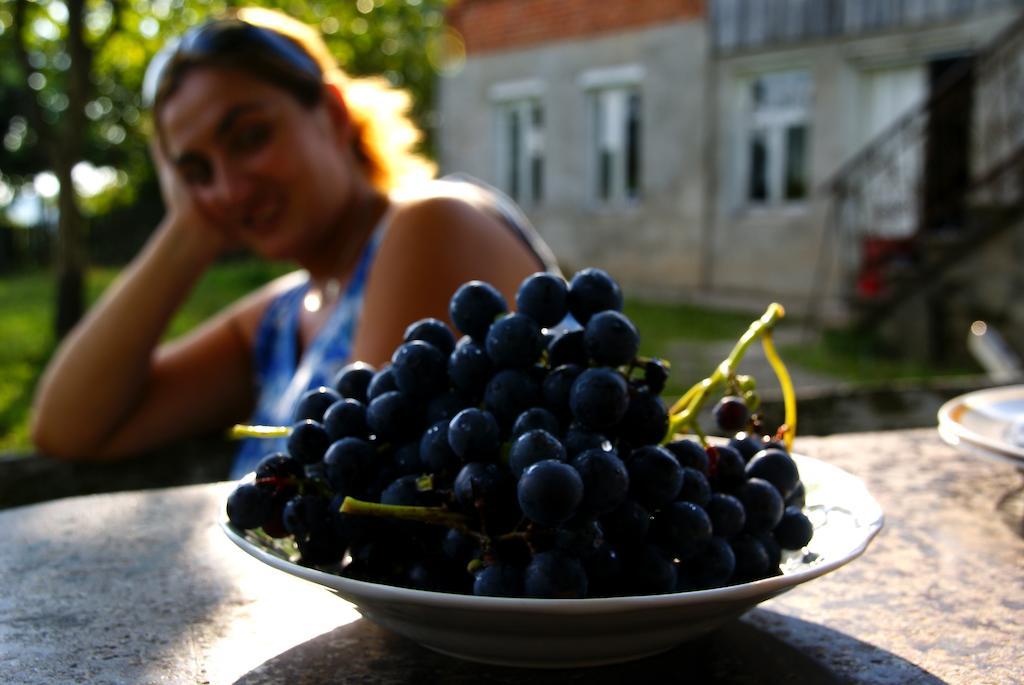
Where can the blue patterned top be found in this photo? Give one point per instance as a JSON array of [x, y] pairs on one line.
[[282, 377]]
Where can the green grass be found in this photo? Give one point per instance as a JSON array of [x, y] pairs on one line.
[[860, 358], [26, 328], [662, 324], [26, 339]]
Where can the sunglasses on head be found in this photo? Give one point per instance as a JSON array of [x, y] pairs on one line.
[[224, 37]]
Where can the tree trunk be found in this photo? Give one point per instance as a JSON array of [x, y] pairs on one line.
[[70, 226], [70, 255]]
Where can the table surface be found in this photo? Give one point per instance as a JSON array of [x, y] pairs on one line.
[[144, 587]]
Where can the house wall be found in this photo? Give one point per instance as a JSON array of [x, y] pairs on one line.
[[788, 248], [653, 248], [692, 236]]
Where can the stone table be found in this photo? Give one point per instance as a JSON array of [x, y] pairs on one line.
[[143, 587]]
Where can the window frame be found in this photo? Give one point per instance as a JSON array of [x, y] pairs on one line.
[[773, 124], [617, 89], [524, 100]]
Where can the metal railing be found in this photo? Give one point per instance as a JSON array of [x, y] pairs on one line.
[[900, 217]]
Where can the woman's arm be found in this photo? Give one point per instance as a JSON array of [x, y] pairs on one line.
[[110, 390], [431, 248]]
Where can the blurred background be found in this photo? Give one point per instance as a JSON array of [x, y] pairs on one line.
[[859, 161]]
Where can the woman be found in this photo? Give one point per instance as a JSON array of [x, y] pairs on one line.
[[262, 142]]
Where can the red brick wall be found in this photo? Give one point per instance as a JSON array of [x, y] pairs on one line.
[[491, 25]]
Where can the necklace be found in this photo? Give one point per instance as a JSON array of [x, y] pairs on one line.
[[319, 296]]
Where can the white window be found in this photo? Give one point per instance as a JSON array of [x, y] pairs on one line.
[[519, 134], [776, 154], [615, 159], [614, 134]]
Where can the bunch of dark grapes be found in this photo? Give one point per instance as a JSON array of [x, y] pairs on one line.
[[519, 461]]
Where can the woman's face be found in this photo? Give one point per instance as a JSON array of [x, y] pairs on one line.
[[271, 173]]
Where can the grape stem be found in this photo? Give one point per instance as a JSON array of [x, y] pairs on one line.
[[240, 430], [432, 515], [683, 414]]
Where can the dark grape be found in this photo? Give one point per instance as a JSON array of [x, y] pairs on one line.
[[544, 298], [655, 476], [549, 492], [599, 398], [611, 339], [435, 451], [480, 485], [655, 375], [444, 407], [352, 381], [406, 459], [689, 454], [728, 517], [557, 387], [680, 526], [752, 560], [514, 341], [469, 368], [249, 506], [391, 416], [508, 394], [592, 291], [314, 403], [747, 445], [712, 566], [346, 419], [798, 498], [728, 467], [419, 369], [473, 435], [499, 580], [383, 381], [279, 465], [536, 418], [731, 413], [776, 467], [762, 504], [794, 530], [531, 447], [474, 307], [695, 487], [579, 439], [432, 331], [605, 481], [460, 547], [555, 575], [645, 421], [771, 548], [649, 571], [308, 441], [347, 465], [404, 491], [567, 348], [627, 524]]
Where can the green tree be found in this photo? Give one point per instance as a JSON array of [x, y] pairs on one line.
[[70, 77]]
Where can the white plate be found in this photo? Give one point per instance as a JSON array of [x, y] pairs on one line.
[[988, 423], [590, 632]]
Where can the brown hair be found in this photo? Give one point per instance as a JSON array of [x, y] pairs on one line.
[[385, 135]]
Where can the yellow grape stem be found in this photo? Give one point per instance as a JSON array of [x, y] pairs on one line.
[[239, 431], [788, 395], [433, 515], [684, 412]]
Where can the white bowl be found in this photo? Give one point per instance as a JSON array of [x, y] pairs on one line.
[[589, 632], [988, 423]]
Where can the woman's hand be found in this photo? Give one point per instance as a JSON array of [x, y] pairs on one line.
[[183, 215]]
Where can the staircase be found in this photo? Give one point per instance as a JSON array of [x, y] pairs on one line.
[[942, 184]]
